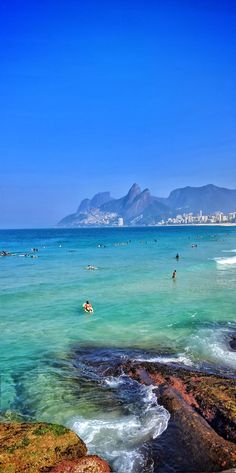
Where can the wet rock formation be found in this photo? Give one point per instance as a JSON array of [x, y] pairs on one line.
[[88, 464], [41, 447], [201, 433], [232, 342]]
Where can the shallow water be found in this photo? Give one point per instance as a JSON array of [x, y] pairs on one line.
[[138, 309]]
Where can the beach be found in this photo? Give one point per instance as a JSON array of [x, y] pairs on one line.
[[59, 364]]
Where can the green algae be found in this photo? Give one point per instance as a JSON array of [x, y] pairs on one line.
[[56, 429]]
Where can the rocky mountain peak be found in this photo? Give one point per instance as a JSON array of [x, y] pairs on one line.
[[133, 193], [134, 190]]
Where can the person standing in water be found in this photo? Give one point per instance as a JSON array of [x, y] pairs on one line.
[[174, 275], [177, 257]]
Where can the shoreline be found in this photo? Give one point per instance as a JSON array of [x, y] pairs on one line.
[[202, 417], [197, 225], [86, 227]]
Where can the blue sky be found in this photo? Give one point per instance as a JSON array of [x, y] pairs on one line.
[[97, 95]]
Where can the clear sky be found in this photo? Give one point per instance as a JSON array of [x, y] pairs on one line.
[[96, 95]]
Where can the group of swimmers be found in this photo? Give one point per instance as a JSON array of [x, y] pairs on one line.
[[88, 308], [8, 253], [5, 253]]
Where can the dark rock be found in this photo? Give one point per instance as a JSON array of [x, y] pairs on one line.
[[197, 436], [211, 396], [232, 342], [203, 416]]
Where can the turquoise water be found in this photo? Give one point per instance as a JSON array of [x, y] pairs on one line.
[[137, 306]]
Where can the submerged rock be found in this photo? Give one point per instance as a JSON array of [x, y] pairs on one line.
[[88, 464], [232, 342], [36, 448]]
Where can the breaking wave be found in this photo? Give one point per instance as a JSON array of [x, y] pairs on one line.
[[226, 261], [121, 439]]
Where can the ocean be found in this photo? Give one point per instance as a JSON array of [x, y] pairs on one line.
[[54, 357]]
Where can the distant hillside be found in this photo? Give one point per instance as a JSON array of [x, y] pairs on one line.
[[140, 207], [208, 198], [137, 207]]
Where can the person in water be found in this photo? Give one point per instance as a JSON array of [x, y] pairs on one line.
[[177, 256], [91, 267], [88, 307], [174, 274]]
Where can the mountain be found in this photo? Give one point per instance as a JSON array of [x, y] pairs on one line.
[[140, 207], [207, 198], [87, 211], [95, 202], [121, 205]]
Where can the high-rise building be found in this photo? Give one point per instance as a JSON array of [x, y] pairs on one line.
[[120, 222]]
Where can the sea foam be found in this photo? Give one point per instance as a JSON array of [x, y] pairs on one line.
[[212, 343], [179, 359], [120, 439], [229, 251], [226, 261]]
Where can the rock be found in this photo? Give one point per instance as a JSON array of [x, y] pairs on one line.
[[232, 342], [36, 448], [211, 396], [88, 464], [201, 432], [197, 435], [232, 470]]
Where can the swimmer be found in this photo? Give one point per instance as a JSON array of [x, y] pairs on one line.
[[177, 257], [174, 274], [5, 253], [90, 267], [88, 307]]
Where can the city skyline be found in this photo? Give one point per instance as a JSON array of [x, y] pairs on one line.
[[94, 97]]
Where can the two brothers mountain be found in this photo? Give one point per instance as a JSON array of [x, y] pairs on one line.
[[140, 207]]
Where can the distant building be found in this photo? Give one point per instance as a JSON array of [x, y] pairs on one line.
[[190, 218], [120, 222]]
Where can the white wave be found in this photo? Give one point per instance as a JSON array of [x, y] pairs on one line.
[[229, 251], [226, 261], [212, 344], [113, 382], [133, 461], [118, 439], [168, 359]]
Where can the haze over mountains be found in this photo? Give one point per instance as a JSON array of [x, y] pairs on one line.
[[139, 207]]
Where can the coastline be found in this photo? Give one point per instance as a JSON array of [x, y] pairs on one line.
[[202, 418], [118, 227], [198, 225]]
